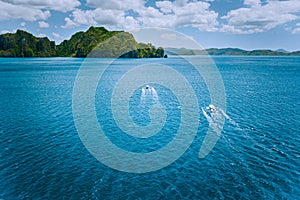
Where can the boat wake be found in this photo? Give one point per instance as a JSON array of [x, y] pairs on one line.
[[215, 116], [149, 93]]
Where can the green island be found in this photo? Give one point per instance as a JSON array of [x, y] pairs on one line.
[[229, 52], [101, 43], [95, 42]]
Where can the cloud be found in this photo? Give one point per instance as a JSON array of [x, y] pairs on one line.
[[165, 6], [56, 35], [43, 24], [296, 30], [61, 5], [101, 17], [11, 11], [5, 31], [252, 2], [117, 4], [130, 23], [183, 13], [253, 17], [257, 17], [117, 13], [94, 17], [33, 10], [69, 23]]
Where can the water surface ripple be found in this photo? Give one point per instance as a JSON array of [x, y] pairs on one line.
[[257, 156]]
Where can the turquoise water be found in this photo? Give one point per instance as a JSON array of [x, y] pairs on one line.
[[257, 155]]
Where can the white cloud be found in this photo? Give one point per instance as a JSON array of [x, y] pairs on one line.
[[61, 5], [130, 23], [108, 17], [259, 18], [165, 6], [252, 2], [56, 35], [117, 4], [81, 17], [180, 13], [11, 11], [5, 31], [296, 29], [69, 23], [43, 24], [98, 16], [255, 15], [167, 14], [33, 10]]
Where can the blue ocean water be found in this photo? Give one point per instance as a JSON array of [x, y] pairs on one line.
[[257, 155]]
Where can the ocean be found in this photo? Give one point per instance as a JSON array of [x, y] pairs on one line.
[[51, 111]]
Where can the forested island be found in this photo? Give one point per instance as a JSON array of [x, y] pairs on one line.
[[95, 42], [230, 52], [101, 43]]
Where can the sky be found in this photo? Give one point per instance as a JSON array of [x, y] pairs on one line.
[[246, 24]]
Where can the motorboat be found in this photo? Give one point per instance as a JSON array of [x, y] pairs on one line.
[[147, 87], [212, 108]]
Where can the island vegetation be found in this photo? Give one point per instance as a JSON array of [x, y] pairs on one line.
[[101, 43], [95, 42], [230, 52]]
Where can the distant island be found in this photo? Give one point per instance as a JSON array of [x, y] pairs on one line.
[[95, 42], [230, 52], [101, 43]]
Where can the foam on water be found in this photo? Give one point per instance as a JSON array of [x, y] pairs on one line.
[[149, 94]]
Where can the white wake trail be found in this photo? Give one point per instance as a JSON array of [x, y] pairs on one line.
[[154, 94]]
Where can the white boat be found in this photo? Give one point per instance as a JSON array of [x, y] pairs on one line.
[[212, 108]]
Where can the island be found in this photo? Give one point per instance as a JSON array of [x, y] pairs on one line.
[[229, 52], [95, 42], [100, 43]]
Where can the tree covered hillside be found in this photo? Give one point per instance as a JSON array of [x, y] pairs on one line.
[[23, 44], [95, 42]]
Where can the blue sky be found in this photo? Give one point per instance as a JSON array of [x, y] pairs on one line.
[[247, 24]]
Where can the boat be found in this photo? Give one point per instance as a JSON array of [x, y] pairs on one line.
[[147, 87], [212, 108]]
